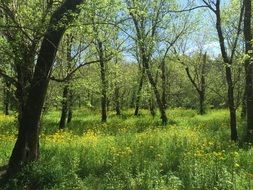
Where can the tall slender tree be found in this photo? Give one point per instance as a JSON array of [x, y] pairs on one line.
[[146, 26], [228, 59], [248, 67]]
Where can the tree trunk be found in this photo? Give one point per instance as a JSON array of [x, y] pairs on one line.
[[26, 148], [201, 103], [65, 103], [229, 78], [103, 83], [164, 84], [200, 87], [158, 98], [24, 77], [244, 104], [231, 104], [70, 106], [132, 101], [152, 106], [117, 100], [66, 96], [248, 68], [70, 115], [138, 96], [108, 104], [203, 85]]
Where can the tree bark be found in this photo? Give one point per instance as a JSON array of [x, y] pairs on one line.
[[138, 95], [201, 103], [158, 98], [231, 104], [164, 84], [117, 100], [70, 115], [202, 85], [248, 68], [24, 77], [103, 82], [244, 104], [229, 79], [153, 84], [26, 148], [70, 106], [66, 91], [152, 106], [64, 111]]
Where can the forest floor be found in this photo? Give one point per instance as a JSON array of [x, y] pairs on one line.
[[192, 152]]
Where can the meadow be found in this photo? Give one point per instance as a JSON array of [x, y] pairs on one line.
[[192, 152]]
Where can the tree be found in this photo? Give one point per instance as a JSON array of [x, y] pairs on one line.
[[145, 19], [66, 90], [102, 32], [248, 67], [198, 78], [117, 87], [138, 94], [26, 148], [228, 61]]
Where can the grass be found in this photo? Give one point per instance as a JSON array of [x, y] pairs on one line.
[[137, 153]]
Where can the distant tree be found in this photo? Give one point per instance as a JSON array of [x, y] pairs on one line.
[[197, 77], [103, 32], [66, 96]]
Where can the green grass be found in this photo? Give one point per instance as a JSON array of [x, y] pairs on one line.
[[137, 153]]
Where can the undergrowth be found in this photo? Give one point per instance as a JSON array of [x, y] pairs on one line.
[[137, 153]]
